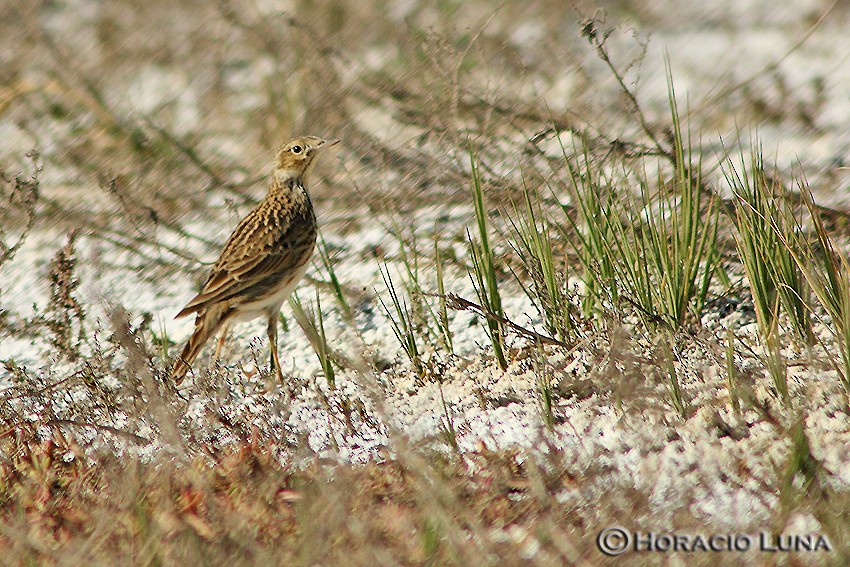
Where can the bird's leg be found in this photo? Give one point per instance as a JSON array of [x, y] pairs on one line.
[[222, 337], [274, 362]]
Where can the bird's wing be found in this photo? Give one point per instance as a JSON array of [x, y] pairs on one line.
[[258, 248]]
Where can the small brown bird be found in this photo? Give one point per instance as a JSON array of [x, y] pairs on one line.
[[263, 260]]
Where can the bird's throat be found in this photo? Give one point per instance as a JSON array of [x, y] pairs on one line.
[[288, 188]]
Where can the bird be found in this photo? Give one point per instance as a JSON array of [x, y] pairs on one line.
[[263, 260]]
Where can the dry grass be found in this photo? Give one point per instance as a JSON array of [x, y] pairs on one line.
[[155, 122]]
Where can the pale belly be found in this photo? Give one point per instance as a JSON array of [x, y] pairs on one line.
[[270, 304]]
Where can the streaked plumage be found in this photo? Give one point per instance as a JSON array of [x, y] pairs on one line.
[[264, 258]]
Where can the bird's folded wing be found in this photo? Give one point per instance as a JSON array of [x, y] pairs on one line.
[[253, 253], [240, 280]]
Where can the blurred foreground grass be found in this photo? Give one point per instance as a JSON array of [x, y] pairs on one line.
[[149, 119]]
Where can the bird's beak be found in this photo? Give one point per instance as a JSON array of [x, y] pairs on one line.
[[328, 143]]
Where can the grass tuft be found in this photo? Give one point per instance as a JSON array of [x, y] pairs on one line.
[[827, 272], [591, 232], [442, 318], [765, 220], [545, 386], [672, 378], [483, 272], [336, 287], [401, 318], [549, 283], [312, 323], [657, 250]]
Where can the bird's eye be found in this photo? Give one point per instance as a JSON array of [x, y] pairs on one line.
[[297, 149]]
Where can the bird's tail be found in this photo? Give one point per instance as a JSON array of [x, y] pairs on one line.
[[206, 324]]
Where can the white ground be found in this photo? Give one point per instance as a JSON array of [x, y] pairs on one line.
[[643, 445]]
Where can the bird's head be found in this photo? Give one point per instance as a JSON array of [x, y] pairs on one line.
[[297, 157]]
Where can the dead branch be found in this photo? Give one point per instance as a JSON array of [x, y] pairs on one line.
[[460, 304]]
